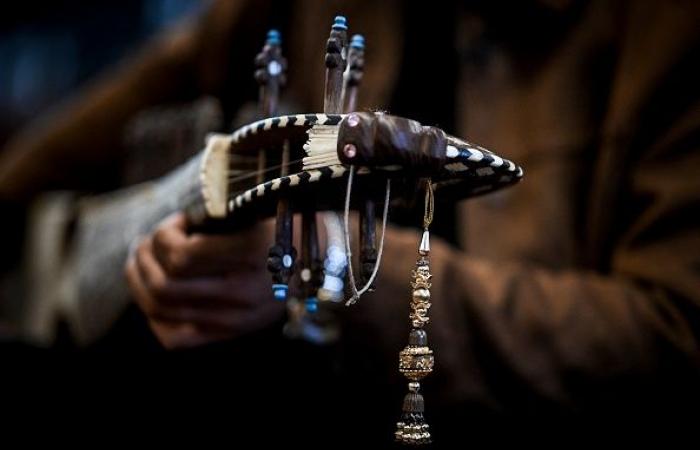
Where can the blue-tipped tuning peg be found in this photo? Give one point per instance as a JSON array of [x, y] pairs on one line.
[[280, 291], [358, 42], [274, 37], [340, 23], [311, 304]]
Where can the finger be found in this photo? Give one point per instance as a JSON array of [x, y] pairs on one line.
[[229, 252], [163, 293], [254, 238], [140, 292], [244, 290], [169, 242], [232, 321], [204, 292], [176, 327], [222, 253], [150, 270], [177, 220], [200, 254], [144, 296], [183, 255], [214, 292], [179, 336]]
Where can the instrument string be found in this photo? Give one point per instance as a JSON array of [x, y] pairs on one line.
[[356, 294], [234, 177]]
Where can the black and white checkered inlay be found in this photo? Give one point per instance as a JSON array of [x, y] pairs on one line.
[[296, 120], [462, 157], [297, 179]]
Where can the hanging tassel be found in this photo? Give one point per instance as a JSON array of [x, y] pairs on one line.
[[416, 360]]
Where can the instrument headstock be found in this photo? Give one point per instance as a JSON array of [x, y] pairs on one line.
[[306, 157], [323, 146]]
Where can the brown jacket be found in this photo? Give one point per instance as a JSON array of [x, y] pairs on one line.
[[580, 287]]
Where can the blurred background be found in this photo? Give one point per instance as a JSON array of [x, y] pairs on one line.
[[583, 281], [49, 49]]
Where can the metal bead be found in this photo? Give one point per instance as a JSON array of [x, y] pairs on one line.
[[416, 362], [350, 150], [421, 295], [353, 120]]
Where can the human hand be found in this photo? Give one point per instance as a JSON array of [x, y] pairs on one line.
[[196, 288]]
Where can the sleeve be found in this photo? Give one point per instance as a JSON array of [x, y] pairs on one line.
[[521, 337]]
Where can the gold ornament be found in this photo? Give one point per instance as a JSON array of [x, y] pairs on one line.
[[416, 360]]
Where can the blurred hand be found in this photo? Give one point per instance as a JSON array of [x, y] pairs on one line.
[[197, 288]]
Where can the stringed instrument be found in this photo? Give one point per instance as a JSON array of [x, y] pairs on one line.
[[337, 160]]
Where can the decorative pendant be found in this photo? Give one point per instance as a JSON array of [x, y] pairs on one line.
[[416, 360]]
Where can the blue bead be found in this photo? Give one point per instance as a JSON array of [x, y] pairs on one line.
[[312, 304], [274, 37], [358, 42], [280, 291], [340, 23]]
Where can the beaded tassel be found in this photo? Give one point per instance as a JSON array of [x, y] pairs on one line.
[[416, 360]]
